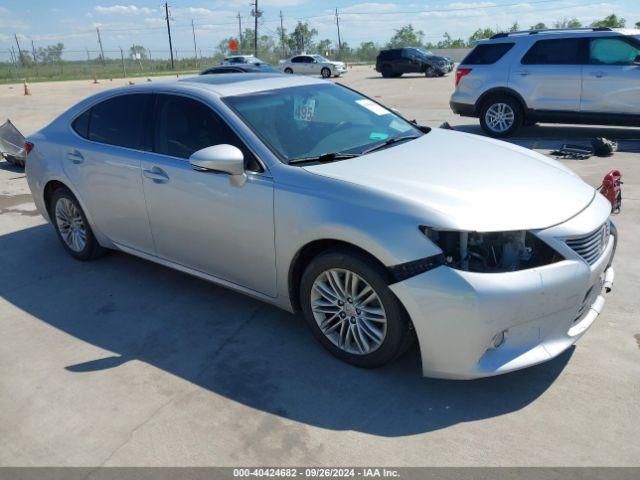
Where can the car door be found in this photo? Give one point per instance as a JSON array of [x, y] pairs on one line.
[[611, 78], [105, 166], [310, 65], [198, 218], [412, 61], [297, 64], [549, 75]]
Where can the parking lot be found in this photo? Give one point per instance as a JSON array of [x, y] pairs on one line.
[[122, 362]]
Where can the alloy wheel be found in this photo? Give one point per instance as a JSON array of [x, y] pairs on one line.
[[500, 117], [71, 225], [348, 311]]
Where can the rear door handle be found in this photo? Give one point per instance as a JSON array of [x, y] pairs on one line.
[[156, 174], [75, 157], [523, 73], [598, 74]]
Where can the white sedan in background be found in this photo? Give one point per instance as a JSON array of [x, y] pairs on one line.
[[313, 65]]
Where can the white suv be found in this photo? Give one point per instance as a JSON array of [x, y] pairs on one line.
[[589, 76]]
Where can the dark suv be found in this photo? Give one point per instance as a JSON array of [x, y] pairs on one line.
[[396, 61]]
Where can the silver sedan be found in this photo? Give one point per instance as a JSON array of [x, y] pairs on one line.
[[315, 198]]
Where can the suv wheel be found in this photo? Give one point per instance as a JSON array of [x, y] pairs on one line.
[[501, 116], [386, 71], [325, 72], [430, 72], [72, 227], [351, 310]]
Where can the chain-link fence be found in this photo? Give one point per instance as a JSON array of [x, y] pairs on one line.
[[76, 64]]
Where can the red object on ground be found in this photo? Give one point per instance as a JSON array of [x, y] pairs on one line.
[[611, 188], [233, 45]]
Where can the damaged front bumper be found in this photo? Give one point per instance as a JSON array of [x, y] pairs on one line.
[[472, 325]]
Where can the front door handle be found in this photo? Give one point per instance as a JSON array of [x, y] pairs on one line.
[[523, 73], [598, 74], [156, 174], [75, 157]]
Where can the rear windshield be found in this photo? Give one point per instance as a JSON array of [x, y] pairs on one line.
[[486, 54]]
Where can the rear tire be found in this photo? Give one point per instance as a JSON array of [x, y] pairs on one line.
[[72, 226], [351, 310], [501, 116], [288, 70], [386, 71]]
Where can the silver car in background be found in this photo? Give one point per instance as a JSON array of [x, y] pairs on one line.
[[313, 65], [315, 198], [587, 75]]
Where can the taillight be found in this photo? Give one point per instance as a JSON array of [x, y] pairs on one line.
[[461, 72], [28, 146]]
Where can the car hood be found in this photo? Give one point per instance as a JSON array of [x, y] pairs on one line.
[[469, 182]]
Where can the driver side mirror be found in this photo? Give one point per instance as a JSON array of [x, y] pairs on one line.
[[221, 158]]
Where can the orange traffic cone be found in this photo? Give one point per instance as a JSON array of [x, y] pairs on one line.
[[26, 88], [95, 80], [131, 83]]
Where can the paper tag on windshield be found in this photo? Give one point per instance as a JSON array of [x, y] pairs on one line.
[[373, 107], [304, 109]]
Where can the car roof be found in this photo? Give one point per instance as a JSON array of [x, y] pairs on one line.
[[559, 33], [243, 83]]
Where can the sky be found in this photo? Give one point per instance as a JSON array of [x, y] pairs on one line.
[[126, 22]]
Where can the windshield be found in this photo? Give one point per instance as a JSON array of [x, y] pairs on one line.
[[320, 58], [314, 120], [428, 53]]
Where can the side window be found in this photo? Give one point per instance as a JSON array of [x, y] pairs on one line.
[[487, 54], [567, 51], [81, 124], [296, 60], [121, 121], [184, 126], [612, 51], [308, 59]]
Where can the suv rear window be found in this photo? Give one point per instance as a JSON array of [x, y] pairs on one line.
[[564, 51], [486, 54]]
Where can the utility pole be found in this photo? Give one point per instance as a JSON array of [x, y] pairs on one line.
[[195, 49], [166, 11], [239, 33], [256, 14], [282, 35], [88, 57], [339, 40], [20, 50], [124, 71], [33, 50], [100, 43]]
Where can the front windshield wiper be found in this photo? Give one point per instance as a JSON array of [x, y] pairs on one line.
[[388, 142], [324, 158]]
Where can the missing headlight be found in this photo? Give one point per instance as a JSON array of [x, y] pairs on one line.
[[492, 252]]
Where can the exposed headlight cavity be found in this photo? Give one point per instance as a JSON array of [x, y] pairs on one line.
[[492, 252]]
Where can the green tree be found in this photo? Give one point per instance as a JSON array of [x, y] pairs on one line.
[[480, 34], [406, 36], [367, 51], [515, 27], [138, 51], [50, 53], [301, 39], [324, 46], [612, 21], [567, 23], [637, 24], [538, 26]]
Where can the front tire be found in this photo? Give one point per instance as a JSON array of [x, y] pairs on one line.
[[72, 226], [325, 72], [430, 72], [351, 310], [501, 116]]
